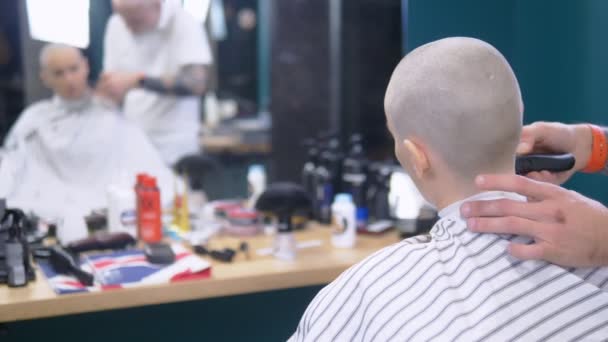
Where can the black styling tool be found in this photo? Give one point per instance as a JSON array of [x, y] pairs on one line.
[[544, 162]]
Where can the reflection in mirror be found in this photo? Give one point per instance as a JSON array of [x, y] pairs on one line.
[[59, 21], [116, 105], [197, 8], [237, 55]]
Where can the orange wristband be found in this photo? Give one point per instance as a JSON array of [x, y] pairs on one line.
[[599, 151]]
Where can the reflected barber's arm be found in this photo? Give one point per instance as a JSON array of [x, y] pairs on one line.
[[191, 80]]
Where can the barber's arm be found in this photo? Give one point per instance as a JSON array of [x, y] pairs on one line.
[[553, 137], [190, 80], [568, 228]]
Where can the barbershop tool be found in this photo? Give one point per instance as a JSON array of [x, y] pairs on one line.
[[97, 220], [244, 247], [335, 158], [284, 200], [15, 267], [378, 191], [101, 241], [224, 255], [328, 176], [354, 179], [324, 189], [63, 263], [159, 253], [544, 162], [308, 172]]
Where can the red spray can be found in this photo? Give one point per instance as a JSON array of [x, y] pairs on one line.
[[149, 214]]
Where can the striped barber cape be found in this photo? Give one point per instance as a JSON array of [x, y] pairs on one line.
[[456, 285]]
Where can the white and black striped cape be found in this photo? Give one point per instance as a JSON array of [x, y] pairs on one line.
[[455, 285]]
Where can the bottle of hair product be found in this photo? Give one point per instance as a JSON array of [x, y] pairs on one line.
[[344, 219], [334, 163], [181, 211], [324, 190], [308, 173], [139, 184], [256, 180], [121, 210], [149, 220], [354, 179]]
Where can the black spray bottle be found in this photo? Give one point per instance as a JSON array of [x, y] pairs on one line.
[[308, 173], [377, 194], [334, 163], [327, 173], [355, 180], [324, 188]]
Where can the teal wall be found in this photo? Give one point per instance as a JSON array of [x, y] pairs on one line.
[[558, 49], [267, 316]]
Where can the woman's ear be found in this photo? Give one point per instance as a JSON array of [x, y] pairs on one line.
[[418, 158]]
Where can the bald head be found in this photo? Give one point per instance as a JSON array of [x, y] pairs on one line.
[[459, 97], [51, 54], [65, 70], [139, 15]]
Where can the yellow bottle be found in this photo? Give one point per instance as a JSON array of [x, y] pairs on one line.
[[181, 213]]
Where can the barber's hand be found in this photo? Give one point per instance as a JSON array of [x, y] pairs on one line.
[[553, 137], [116, 84], [568, 228]]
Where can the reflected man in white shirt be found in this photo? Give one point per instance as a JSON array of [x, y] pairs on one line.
[[155, 58]]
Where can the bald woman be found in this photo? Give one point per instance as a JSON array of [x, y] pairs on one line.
[[455, 110], [63, 152]]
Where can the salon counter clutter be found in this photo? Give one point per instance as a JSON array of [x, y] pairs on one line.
[[251, 272]]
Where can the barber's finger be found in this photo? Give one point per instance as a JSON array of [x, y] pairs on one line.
[[526, 143], [533, 251], [502, 208], [506, 225], [544, 176], [518, 184], [531, 137]]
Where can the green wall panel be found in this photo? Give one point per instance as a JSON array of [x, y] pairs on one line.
[[266, 316], [557, 48]]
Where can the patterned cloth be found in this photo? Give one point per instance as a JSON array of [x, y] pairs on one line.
[[455, 285], [128, 269]]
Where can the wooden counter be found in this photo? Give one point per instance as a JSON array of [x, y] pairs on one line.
[[232, 144], [313, 266]]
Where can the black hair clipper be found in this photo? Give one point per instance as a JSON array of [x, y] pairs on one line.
[[544, 162]]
